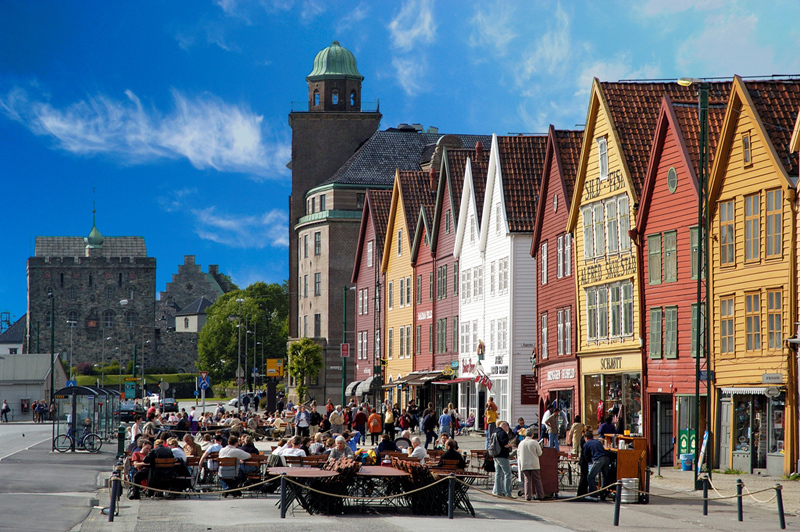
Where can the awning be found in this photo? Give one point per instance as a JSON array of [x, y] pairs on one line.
[[423, 377], [365, 386], [751, 390], [351, 388], [413, 376], [454, 381]]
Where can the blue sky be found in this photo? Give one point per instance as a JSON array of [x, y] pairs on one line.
[[172, 116]]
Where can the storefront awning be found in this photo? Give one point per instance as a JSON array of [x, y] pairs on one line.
[[351, 388], [364, 386], [751, 390], [453, 381], [419, 378]]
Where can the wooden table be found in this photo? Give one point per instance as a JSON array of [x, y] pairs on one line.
[[307, 477], [378, 481]]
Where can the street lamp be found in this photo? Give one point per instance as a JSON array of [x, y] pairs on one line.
[[52, 298], [702, 262], [239, 369], [103, 365], [143, 381], [264, 374], [71, 324], [119, 365]]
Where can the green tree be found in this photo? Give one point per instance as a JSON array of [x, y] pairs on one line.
[[305, 358], [264, 319]]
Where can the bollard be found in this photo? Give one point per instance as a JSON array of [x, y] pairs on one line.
[[705, 495], [779, 497], [617, 503], [120, 442], [739, 485], [451, 495], [283, 495], [112, 504]]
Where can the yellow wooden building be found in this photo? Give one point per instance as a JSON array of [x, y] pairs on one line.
[[411, 190], [753, 279]]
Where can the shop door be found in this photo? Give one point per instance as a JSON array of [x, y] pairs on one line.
[[725, 435], [481, 410], [666, 436]]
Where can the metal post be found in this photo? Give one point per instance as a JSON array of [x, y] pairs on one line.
[[705, 495], [451, 495], [739, 485], [52, 345], [344, 341], [779, 497], [617, 503], [112, 504], [239, 370], [658, 438], [283, 495]]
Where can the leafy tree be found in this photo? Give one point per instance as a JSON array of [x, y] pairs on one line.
[[305, 358], [265, 312]]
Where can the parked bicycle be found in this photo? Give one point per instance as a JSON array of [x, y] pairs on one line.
[[89, 441]]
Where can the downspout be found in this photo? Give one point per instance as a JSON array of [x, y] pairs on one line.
[[791, 387]]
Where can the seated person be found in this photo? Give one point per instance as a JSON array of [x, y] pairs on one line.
[[470, 422], [341, 450], [139, 469], [294, 447], [230, 479], [386, 444], [159, 451], [352, 439], [317, 447], [418, 451], [209, 465], [191, 447], [246, 444], [177, 452], [521, 429], [607, 427], [452, 454], [441, 445]]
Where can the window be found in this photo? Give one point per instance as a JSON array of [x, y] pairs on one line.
[[455, 332], [502, 334], [670, 257], [335, 97], [544, 336], [447, 221], [752, 318], [313, 205], [567, 254], [90, 281], [369, 254], [671, 332], [694, 329], [408, 341], [627, 309], [109, 293], [774, 319], [318, 243], [474, 335], [131, 292], [466, 285], [599, 231], [317, 284], [492, 275], [130, 318], [471, 230], [655, 332], [316, 97], [305, 286], [774, 223], [358, 301], [478, 283], [616, 310], [377, 343], [602, 152], [408, 291], [726, 242], [317, 325], [365, 345], [73, 293], [612, 225], [464, 337], [560, 332], [109, 317], [695, 248], [624, 223], [654, 259], [418, 343], [455, 278], [72, 318], [430, 338], [352, 98], [305, 326], [399, 242], [544, 262], [322, 202], [390, 295], [752, 227], [360, 346], [305, 246], [602, 312], [502, 283], [402, 342], [430, 286], [560, 257], [747, 152], [497, 218], [402, 293], [391, 344], [726, 324], [419, 289], [567, 331], [360, 200], [365, 303], [591, 313], [672, 180]]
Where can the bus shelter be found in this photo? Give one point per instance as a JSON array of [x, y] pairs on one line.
[[78, 411], [108, 403]]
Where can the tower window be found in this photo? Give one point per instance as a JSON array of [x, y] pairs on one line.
[[352, 98], [335, 97], [185, 323], [316, 97]]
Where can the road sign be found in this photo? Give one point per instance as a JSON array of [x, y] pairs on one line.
[[239, 381], [72, 383], [204, 375], [240, 372], [203, 385], [164, 385], [274, 367], [255, 371], [131, 379], [706, 375], [344, 350]]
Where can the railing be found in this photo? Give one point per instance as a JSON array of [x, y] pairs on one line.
[[366, 107]]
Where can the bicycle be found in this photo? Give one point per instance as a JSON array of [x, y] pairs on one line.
[[89, 441]]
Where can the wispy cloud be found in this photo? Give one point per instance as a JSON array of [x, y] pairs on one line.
[[410, 74], [353, 18], [413, 25], [207, 131], [493, 27], [311, 9], [269, 229], [615, 68], [176, 200], [552, 49], [651, 8]]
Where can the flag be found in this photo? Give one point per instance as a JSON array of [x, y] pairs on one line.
[[488, 384], [477, 378]]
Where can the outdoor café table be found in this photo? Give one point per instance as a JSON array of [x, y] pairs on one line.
[[307, 476], [461, 491], [378, 481]]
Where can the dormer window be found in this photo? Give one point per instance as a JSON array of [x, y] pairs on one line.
[[602, 152], [335, 97]]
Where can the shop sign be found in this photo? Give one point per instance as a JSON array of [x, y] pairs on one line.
[[499, 370], [559, 374], [528, 390], [454, 364], [772, 378], [623, 266], [424, 315], [611, 363], [627, 361]]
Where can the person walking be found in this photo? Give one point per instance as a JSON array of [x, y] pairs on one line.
[[388, 423], [337, 420], [375, 427], [429, 424], [574, 435], [502, 475], [446, 423], [5, 410], [528, 454], [491, 419], [551, 422]]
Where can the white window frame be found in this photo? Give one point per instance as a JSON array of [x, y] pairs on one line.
[[567, 255], [399, 242], [492, 275], [598, 211], [602, 157], [390, 295], [369, 254], [544, 336], [544, 262], [624, 214], [587, 213], [408, 291], [560, 331], [560, 257], [568, 331], [612, 225]]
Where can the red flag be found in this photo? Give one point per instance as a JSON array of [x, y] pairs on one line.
[[488, 384], [484, 380], [477, 378]]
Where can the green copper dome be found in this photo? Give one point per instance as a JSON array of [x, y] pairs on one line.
[[95, 239], [334, 62]]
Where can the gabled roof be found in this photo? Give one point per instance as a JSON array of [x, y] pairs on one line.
[[16, 333], [469, 197], [521, 165], [794, 143], [423, 226], [376, 161], [413, 190], [564, 147], [775, 107], [377, 204], [31, 368], [198, 306]]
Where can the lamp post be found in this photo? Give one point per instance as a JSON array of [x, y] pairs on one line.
[[103, 361], [262, 366], [143, 381], [239, 369], [71, 324], [52, 298], [702, 261], [119, 365]]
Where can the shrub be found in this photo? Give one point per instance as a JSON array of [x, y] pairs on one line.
[[85, 368]]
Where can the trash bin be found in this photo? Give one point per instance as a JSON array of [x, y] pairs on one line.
[[687, 461]]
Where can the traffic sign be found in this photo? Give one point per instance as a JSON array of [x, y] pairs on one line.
[[72, 383], [163, 385], [240, 372], [131, 379], [239, 381], [344, 350], [203, 385], [204, 375]]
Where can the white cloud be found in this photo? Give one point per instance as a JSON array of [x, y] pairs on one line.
[[616, 68], [551, 51], [205, 130], [176, 200], [353, 18], [493, 27], [410, 74], [651, 8], [413, 25], [243, 231], [311, 9]]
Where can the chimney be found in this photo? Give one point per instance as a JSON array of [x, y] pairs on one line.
[[213, 269], [433, 181], [478, 149]]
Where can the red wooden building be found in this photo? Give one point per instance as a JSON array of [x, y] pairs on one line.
[[557, 367]]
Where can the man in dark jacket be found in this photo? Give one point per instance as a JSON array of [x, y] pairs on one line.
[[429, 424], [502, 476]]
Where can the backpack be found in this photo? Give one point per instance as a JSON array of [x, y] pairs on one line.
[[494, 445]]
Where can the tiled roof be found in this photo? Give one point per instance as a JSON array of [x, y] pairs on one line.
[[689, 122], [777, 102], [522, 161], [569, 149], [14, 334], [480, 169], [415, 190], [375, 162], [381, 201], [74, 246], [457, 164], [197, 306], [634, 110]]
